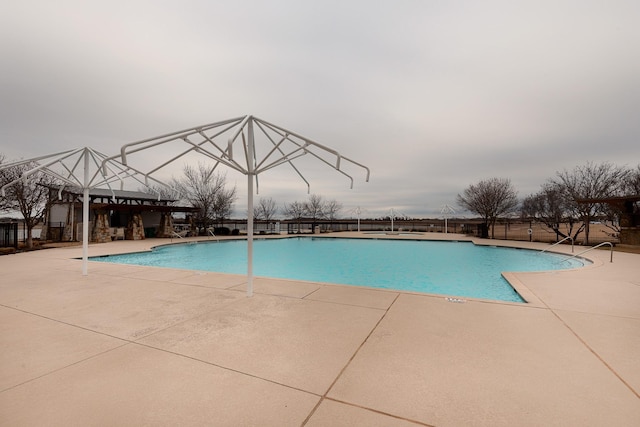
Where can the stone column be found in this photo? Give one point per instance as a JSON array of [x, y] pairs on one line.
[[165, 229], [100, 232], [193, 230], [135, 228], [67, 233]]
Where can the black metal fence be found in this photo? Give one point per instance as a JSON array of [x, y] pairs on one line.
[[9, 235], [55, 232], [504, 229]]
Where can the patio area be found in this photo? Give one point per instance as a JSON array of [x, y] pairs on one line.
[[131, 345]]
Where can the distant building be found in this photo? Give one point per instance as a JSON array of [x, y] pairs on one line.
[[131, 215]]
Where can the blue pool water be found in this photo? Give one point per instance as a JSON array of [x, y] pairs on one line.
[[449, 268]]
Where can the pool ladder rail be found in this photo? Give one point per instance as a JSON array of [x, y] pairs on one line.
[[557, 243], [210, 234], [590, 249]]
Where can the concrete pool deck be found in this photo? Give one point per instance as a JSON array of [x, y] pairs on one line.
[[131, 345]]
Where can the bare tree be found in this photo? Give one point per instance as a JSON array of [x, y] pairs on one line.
[[314, 208], [266, 209], [631, 186], [490, 199], [223, 204], [331, 209], [549, 207], [613, 212], [163, 192], [294, 210], [204, 189], [4, 200], [30, 197], [585, 185]]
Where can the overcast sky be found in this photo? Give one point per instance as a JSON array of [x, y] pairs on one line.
[[431, 95]]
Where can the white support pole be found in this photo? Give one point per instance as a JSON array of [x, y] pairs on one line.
[[392, 220], [446, 210], [250, 178], [297, 146], [85, 217]]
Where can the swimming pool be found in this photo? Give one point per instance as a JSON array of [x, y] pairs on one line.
[[441, 267]]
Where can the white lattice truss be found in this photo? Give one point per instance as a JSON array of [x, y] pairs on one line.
[[85, 168], [232, 143], [246, 144]]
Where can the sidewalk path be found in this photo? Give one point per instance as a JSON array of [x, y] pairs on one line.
[[131, 346]]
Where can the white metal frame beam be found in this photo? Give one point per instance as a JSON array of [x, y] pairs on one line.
[[243, 131], [74, 169]]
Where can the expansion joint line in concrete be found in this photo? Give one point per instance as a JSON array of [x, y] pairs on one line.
[[355, 353], [609, 367]]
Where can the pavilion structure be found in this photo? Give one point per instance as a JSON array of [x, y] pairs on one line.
[[130, 215], [86, 169]]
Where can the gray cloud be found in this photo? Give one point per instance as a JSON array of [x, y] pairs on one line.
[[431, 96]]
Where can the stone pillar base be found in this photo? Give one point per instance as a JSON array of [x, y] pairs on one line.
[[165, 229], [101, 232], [135, 228]]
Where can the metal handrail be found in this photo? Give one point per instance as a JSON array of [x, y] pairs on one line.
[[557, 243], [174, 234], [210, 234], [592, 248]]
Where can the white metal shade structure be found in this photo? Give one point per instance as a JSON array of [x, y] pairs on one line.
[[393, 214], [446, 210], [246, 144], [84, 168], [358, 212]]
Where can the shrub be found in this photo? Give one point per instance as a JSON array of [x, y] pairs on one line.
[[221, 231]]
